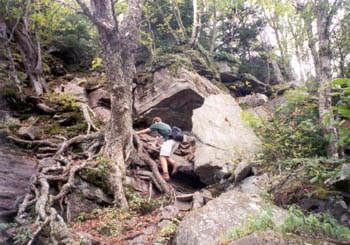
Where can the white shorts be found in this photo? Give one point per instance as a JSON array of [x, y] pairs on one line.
[[168, 147]]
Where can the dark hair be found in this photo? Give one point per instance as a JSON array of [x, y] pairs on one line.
[[156, 120]]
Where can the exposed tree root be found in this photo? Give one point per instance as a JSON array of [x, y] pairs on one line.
[[38, 230], [33, 142], [79, 139], [85, 110], [152, 164], [55, 180]]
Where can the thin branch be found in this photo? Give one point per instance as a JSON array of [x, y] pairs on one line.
[[69, 6]]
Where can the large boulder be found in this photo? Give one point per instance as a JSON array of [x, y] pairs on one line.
[[228, 71], [73, 88], [208, 224], [172, 95], [253, 100], [246, 83], [15, 172], [223, 138]]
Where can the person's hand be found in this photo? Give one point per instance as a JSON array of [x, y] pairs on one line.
[[145, 131]]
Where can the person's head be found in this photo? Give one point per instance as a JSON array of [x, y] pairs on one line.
[[156, 120]]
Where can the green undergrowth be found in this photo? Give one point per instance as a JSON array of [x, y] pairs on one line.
[[141, 204], [313, 225], [192, 59], [311, 170], [292, 132]]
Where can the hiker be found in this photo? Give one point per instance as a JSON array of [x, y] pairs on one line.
[[167, 148]]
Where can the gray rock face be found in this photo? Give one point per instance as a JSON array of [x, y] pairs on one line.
[[6, 118], [198, 200], [73, 88], [228, 72], [170, 212], [231, 209], [171, 96], [15, 173], [253, 100], [242, 171], [30, 133], [99, 102], [78, 204], [192, 102], [222, 138], [92, 192], [253, 184]]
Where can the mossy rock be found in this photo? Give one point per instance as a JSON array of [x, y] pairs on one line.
[[167, 60], [223, 56], [322, 193], [97, 176]]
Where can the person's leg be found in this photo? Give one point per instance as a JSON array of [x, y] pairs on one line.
[[174, 146], [165, 152], [164, 164], [174, 164]]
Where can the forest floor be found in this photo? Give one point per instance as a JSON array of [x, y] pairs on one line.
[[110, 226]]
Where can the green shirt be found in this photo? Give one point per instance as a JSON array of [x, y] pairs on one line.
[[162, 128]]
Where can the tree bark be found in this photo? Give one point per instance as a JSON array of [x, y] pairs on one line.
[[30, 52], [173, 33], [195, 24], [324, 18], [213, 30], [5, 40], [31, 56], [119, 42], [312, 46], [273, 22], [177, 15]]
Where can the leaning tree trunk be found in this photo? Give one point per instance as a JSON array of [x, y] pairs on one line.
[[31, 56], [325, 100], [119, 41], [5, 40]]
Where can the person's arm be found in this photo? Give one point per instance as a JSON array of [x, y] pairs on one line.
[[145, 131]]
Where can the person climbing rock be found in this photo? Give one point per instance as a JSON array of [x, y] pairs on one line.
[[167, 148]]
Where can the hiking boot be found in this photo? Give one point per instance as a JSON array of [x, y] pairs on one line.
[[175, 168], [166, 176]]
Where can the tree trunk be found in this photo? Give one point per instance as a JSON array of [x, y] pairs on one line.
[[341, 63], [31, 53], [5, 40], [325, 100], [32, 62], [177, 15], [173, 33], [196, 25], [213, 31], [119, 42], [312, 46], [301, 65]]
